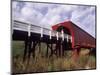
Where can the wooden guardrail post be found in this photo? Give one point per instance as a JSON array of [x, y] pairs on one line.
[[57, 36], [27, 43], [62, 34], [50, 34], [41, 32]]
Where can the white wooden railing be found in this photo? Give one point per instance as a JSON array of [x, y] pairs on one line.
[[22, 26]]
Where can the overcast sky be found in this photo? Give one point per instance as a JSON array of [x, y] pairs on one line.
[[49, 14]]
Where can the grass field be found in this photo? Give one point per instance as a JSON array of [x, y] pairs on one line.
[[43, 64]]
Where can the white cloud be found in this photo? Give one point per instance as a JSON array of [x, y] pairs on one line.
[[85, 19], [26, 11], [28, 14], [53, 15], [50, 14]]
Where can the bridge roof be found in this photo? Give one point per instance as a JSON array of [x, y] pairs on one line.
[[79, 36]]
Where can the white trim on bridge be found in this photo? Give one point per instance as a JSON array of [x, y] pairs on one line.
[[23, 26]]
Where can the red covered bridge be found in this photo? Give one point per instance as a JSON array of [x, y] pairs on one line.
[[80, 38], [63, 36]]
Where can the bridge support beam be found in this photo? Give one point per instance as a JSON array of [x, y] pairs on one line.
[[75, 54], [25, 50], [29, 48]]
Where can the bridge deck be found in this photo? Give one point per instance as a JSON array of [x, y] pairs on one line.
[[22, 28]]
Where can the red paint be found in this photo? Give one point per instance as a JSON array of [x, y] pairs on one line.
[[79, 36]]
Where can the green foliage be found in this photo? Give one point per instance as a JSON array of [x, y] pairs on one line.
[[17, 47], [44, 64]]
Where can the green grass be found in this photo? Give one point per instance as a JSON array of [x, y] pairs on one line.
[[44, 64], [17, 47]]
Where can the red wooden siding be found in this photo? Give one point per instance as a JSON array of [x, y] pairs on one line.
[[79, 36]]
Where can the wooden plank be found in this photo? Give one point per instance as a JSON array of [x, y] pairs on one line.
[[18, 25]]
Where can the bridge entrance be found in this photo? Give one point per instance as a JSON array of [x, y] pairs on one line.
[[67, 43]]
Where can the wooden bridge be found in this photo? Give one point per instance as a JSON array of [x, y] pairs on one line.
[[33, 35], [63, 36]]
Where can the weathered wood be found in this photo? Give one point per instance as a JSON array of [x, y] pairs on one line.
[[30, 28], [47, 50], [35, 35], [25, 50]]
